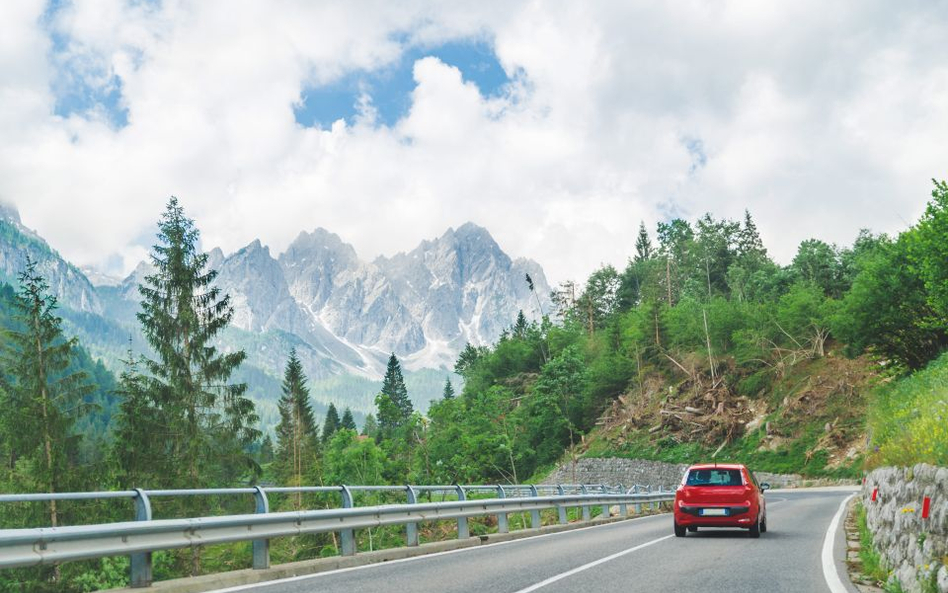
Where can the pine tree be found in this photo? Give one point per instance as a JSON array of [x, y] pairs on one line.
[[137, 426], [394, 407], [43, 396], [297, 448], [331, 423], [749, 243], [207, 424], [347, 422], [520, 326], [448, 392], [643, 245]]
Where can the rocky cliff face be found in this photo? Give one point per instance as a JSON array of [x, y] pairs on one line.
[[66, 282]]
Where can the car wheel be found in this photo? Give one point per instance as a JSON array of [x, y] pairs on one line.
[[692, 528], [679, 530], [754, 530], [763, 525]]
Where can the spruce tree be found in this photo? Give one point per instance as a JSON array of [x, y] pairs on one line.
[[206, 423], [448, 392], [297, 438], [347, 422], [643, 245], [43, 396], [394, 406], [749, 243], [138, 424], [520, 326], [331, 423]]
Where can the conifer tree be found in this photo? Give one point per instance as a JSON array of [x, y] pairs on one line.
[[394, 407], [347, 422], [749, 244], [138, 426], [297, 438], [520, 326], [331, 423], [643, 245], [41, 394], [210, 422], [448, 392]]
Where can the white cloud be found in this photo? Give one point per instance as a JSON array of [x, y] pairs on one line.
[[819, 118]]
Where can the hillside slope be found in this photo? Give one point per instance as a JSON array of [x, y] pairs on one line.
[[809, 420]]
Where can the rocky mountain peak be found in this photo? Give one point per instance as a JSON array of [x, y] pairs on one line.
[[10, 213]]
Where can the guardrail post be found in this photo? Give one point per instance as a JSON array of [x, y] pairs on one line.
[[535, 520], [502, 526], [606, 513], [261, 547], [648, 490], [637, 507], [411, 529], [561, 510], [140, 563], [623, 507], [347, 535], [463, 532], [587, 516]]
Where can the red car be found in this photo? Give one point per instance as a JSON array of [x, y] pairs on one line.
[[720, 495]]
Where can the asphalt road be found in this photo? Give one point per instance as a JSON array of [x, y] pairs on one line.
[[635, 555]]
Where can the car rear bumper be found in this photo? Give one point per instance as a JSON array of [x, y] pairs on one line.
[[738, 516]]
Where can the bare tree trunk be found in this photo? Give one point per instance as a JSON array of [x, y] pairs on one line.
[[707, 337], [668, 284]]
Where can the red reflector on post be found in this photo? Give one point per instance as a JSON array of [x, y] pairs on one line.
[[926, 507], [875, 493]]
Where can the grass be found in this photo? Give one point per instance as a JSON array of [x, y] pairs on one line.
[[909, 418]]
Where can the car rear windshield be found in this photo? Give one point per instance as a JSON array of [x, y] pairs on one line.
[[714, 477]]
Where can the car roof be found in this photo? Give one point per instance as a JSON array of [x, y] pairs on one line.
[[717, 465]]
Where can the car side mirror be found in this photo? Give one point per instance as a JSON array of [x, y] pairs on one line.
[[764, 486]]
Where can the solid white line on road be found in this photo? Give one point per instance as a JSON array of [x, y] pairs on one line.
[[578, 569], [829, 563], [316, 575]]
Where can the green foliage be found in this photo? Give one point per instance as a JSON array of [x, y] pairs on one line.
[[394, 406], [351, 459], [297, 454], [41, 397], [330, 423], [908, 418], [199, 426]]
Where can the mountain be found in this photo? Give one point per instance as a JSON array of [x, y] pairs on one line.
[[66, 281], [342, 314]]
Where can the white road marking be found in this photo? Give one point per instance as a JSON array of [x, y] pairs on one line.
[[829, 563], [316, 575], [595, 563]]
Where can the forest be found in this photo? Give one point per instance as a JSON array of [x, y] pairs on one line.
[[700, 310]]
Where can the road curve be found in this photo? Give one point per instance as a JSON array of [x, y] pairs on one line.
[[635, 555]]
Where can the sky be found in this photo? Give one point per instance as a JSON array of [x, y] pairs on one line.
[[558, 126]]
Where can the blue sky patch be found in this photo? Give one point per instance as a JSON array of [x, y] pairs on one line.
[[390, 87], [79, 85]]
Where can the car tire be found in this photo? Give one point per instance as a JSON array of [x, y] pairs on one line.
[[763, 525], [692, 528], [679, 530], [754, 531]]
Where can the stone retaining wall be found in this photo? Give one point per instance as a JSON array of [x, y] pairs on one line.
[[613, 471], [916, 549]]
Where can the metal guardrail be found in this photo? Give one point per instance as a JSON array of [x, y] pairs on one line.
[[139, 538]]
